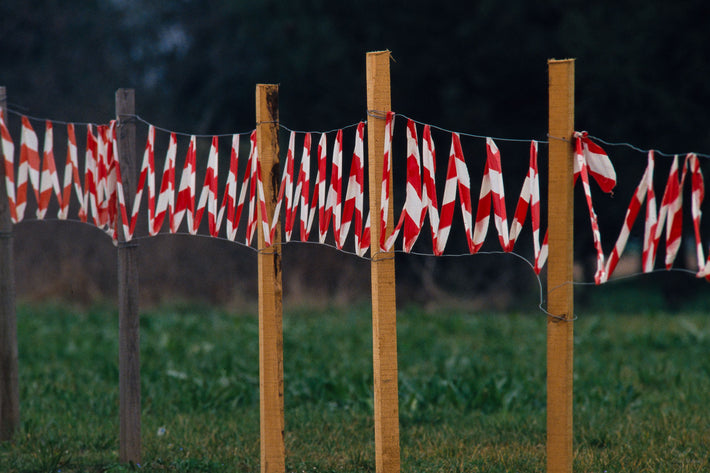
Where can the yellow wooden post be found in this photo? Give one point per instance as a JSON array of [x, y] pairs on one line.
[[384, 313], [560, 300], [271, 385]]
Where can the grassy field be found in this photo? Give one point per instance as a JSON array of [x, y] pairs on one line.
[[472, 392]]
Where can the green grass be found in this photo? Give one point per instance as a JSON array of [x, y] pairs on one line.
[[472, 392]]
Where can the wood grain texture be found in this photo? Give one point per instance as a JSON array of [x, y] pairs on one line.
[[9, 384], [560, 300], [384, 313], [128, 316], [273, 450]]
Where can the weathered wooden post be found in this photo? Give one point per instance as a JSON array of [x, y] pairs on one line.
[[384, 312], [128, 317], [9, 386], [271, 385], [560, 300]]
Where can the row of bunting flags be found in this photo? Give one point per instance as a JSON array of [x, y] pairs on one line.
[[101, 199]]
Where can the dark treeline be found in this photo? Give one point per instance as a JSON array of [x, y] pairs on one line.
[[479, 66]]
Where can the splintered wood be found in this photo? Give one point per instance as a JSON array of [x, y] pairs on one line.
[[273, 450]]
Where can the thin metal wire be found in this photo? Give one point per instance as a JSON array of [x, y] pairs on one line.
[[471, 135], [127, 118], [189, 135], [377, 114], [12, 108], [558, 138], [645, 151], [60, 122], [334, 130]]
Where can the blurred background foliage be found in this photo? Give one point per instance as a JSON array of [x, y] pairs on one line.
[[475, 66]]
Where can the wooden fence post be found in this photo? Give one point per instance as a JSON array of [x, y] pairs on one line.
[[9, 386], [384, 312], [271, 385], [560, 300], [128, 317]]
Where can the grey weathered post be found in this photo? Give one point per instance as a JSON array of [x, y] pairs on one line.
[[128, 318], [9, 387]]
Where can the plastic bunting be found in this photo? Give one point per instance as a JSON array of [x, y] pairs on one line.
[[125, 223], [263, 217], [421, 197], [147, 172], [253, 176], [8, 151], [29, 167], [90, 175], [324, 213], [412, 216], [230, 193], [166, 197], [285, 192], [106, 182], [335, 191], [209, 193], [247, 178], [101, 195], [302, 189], [71, 176], [354, 198], [670, 215], [185, 205], [49, 181]]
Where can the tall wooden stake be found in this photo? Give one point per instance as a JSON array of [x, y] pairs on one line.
[[128, 317], [384, 312], [560, 300], [9, 386], [273, 450]]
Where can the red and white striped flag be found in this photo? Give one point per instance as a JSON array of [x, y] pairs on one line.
[[208, 196], [253, 166], [245, 186], [185, 204], [581, 162], [320, 190], [598, 164], [230, 192], [104, 163], [412, 216], [49, 180], [303, 190], [354, 195], [8, 151], [122, 218], [697, 197], [166, 197], [71, 175], [147, 173], [285, 195], [29, 167], [263, 214], [335, 191], [287, 187], [90, 176], [672, 210]]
